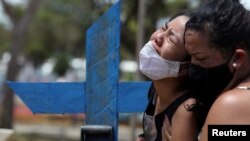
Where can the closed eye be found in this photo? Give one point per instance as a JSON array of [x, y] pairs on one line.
[[198, 57], [201, 60], [173, 39]]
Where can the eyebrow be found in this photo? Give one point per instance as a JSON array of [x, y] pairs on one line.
[[166, 24]]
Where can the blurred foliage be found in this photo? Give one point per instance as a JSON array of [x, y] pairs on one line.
[[62, 64], [60, 26], [18, 12], [176, 5], [5, 37]]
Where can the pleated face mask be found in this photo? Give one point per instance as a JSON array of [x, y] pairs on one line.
[[154, 66]]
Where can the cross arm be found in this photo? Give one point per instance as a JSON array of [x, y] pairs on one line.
[[69, 98], [132, 96], [51, 98]]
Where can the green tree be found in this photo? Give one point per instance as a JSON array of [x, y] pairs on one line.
[[62, 64], [5, 37], [21, 22]]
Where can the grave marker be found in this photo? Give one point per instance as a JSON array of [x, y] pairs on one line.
[[101, 97]]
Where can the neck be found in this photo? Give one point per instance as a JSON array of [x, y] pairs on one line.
[[238, 80], [168, 90], [244, 83]]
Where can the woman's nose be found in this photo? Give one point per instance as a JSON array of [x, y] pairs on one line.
[[160, 36], [159, 40]]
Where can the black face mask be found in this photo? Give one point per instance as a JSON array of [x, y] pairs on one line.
[[207, 83]]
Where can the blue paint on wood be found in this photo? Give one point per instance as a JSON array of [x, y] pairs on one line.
[[133, 96], [51, 98], [103, 43], [59, 98]]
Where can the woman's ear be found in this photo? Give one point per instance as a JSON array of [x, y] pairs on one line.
[[238, 59]]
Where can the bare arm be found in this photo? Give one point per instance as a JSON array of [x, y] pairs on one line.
[[183, 124]]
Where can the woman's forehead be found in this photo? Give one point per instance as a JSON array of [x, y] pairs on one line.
[[177, 25], [178, 22], [196, 42]]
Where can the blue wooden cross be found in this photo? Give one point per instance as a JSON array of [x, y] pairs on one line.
[[101, 97]]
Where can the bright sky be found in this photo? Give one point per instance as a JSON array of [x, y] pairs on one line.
[[4, 19], [246, 3]]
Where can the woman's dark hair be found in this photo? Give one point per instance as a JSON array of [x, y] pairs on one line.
[[226, 22]]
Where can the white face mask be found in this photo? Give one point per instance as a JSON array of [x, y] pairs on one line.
[[154, 66]]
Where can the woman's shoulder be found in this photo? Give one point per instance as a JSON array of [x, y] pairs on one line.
[[233, 98], [186, 108], [230, 107]]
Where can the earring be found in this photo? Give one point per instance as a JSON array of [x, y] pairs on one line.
[[234, 65]]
